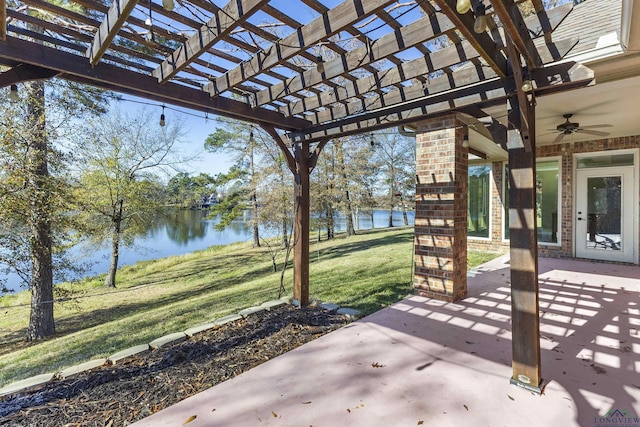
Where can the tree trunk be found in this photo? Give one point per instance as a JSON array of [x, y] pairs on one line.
[[349, 215], [404, 212], [345, 184], [254, 197], [330, 222], [110, 280], [41, 322], [285, 230], [254, 220], [391, 196], [285, 226], [373, 225], [356, 220]]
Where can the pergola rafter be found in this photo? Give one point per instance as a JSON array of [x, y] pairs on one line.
[[319, 29], [115, 19], [387, 45], [209, 34], [518, 32], [483, 44]]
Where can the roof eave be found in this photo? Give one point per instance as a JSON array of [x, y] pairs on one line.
[[630, 25]]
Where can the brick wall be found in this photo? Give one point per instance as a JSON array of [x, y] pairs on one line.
[[567, 150], [441, 209]]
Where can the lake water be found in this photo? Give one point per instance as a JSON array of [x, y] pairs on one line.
[[184, 231]]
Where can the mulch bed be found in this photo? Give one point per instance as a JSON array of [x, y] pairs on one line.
[[140, 386]]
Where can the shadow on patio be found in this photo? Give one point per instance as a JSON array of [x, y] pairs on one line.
[[427, 361]]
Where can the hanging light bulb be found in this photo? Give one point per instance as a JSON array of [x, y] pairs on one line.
[[148, 22], [162, 121], [463, 6], [527, 86], [480, 24], [13, 93], [168, 5], [320, 64]]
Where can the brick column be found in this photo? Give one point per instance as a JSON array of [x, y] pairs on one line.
[[441, 209]]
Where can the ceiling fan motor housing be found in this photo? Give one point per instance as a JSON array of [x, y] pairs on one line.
[[568, 127]]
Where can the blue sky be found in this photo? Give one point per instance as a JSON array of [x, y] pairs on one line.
[[196, 127]]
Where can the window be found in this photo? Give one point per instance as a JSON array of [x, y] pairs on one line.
[[547, 198], [479, 196]]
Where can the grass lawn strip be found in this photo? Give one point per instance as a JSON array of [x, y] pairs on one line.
[[366, 272]]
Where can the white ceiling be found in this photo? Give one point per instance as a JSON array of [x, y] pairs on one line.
[[615, 103]]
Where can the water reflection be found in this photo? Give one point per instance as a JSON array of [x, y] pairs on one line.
[[183, 226]]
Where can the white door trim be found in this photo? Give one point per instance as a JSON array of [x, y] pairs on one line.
[[631, 253]]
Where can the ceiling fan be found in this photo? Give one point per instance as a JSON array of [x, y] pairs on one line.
[[569, 128]]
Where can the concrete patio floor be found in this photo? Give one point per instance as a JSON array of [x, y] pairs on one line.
[[425, 362]]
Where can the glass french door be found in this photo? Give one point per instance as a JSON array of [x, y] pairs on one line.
[[604, 214]]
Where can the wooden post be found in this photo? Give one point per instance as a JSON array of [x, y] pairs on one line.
[[301, 225], [3, 20], [523, 240], [301, 163]]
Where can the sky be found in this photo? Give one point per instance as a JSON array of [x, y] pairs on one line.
[[196, 126]]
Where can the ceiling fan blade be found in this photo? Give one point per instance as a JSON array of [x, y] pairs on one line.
[[558, 138], [592, 132], [596, 126]]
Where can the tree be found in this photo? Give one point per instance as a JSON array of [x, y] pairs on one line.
[[396, 156], [365, 176], [325, 192], [28, 198], [233, 200], [188, 191], [41, 190], [119, 190], [275, 197], [34, 188], [239, 140]]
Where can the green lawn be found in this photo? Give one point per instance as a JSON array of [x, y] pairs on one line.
[[367, 272]]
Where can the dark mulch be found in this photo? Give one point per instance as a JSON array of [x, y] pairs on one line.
[[136, 388]]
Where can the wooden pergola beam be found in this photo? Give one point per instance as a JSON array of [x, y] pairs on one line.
[[420, 66], [78, 17], [326, 25], [552, 79], [417, 32], [349, 90], [218, 27], [111, 24], [118, 78], [435, 86], [279, 140], [3, 19], [482, 43], [24, 73], [517, 31]]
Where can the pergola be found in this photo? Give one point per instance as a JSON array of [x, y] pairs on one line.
[[327, 70]]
